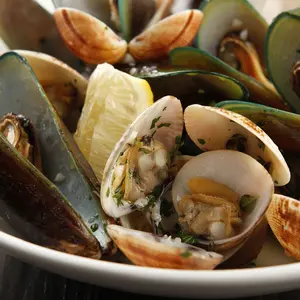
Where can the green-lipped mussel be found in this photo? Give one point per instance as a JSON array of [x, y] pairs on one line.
[[282, 56], [58, 204]]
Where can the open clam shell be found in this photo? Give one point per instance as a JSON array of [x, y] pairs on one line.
[[248, 177], [64, 86], [146, 249], [62, 162], [282, 52], [280, 125], [283, 216], [213, 128], [162, 122]]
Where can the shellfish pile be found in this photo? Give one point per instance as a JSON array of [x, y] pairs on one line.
[[199, 177]]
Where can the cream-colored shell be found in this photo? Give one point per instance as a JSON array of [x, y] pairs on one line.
[[148, 250], [283, 216], [169, 110], [210, 128], [238, 171]]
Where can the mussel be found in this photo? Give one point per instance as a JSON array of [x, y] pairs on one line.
[[56, 204], [282, 56]]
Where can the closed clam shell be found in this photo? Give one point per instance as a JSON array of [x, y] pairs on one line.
[[148, 250], [283, 216], [158, 40], [211, 128], [239, 172], [88, 38]]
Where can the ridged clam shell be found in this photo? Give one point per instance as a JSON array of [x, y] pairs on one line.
[[148, 250], [210, 128], [88, 38], [283, 216], [158, 40]]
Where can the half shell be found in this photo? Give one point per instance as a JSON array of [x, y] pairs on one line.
[[146, 249], [283, 216], [248, 177], [163, 122], [213, 128]]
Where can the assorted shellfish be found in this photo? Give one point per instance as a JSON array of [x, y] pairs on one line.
[[198, 178]]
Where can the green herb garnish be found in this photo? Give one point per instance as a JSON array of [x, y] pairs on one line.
[[144, 150], [94, 227], [186, 254], [201, 141], [247, 203], [105, 223], [154, 121], [107, 192], [93, 219], [187, 238], [164, 108], [164, 125]]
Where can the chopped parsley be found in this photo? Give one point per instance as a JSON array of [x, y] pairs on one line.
[[144, 150], [154, 121], [107, 192], [164, 125], [164, 108], [105, 223], [119, 194], [186, 254], [187, 238], [266, 165], [247, 203], [201, 141], [94, 227]]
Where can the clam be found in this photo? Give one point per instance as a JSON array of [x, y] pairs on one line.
[[60, 207], [29, 26], [284, 219], [283, 129], [194, 86], [218, 205], [223, 129], [64, 86], [89, 38], [158, 40], [282, 56], [140, 161], [192, 58], [146, 249], [240, 40]]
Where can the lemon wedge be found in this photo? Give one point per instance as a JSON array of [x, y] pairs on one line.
[[113, 101]]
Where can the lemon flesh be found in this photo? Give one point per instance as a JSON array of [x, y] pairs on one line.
[[113, 101]]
